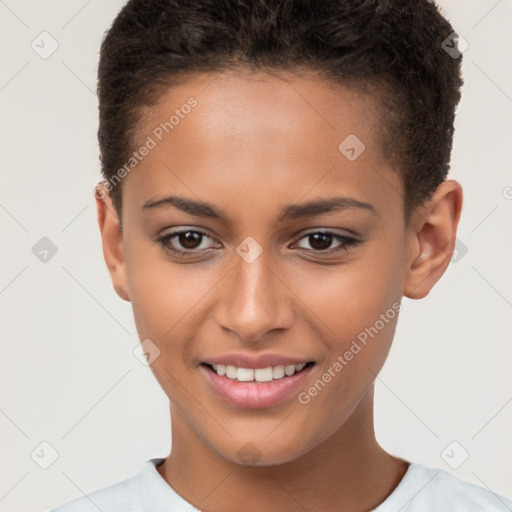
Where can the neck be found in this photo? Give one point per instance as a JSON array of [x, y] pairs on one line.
[[349, 467]]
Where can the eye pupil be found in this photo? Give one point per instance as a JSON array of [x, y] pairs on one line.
[[189, 242], [316, 237]]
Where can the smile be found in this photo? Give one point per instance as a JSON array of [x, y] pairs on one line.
[[256, 388], [257, 374]]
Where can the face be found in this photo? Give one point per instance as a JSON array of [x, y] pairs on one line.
[[298, 258]]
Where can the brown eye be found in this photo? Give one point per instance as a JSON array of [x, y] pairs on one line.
[[189, 239], [185, 241], [320, 241]]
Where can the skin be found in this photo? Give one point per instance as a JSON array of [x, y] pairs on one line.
[[253, 144]]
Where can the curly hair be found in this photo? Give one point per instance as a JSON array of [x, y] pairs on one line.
[[392, 50]]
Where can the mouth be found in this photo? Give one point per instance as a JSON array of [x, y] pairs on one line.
[[259, 375], [256, 388]]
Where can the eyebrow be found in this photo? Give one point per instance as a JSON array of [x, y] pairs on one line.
[[290, 211]]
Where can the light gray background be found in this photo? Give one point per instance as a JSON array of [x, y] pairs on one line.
[[69, 376]]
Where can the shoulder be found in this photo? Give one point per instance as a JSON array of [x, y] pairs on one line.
[[424, 489], [145, 491]]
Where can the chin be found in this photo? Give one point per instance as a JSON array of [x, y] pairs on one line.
[[262, 452]]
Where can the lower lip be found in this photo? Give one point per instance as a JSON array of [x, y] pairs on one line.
[[255, 395]]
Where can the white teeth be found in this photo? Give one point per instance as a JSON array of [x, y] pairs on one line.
[[231, 371], [278, 372], [259, 374], [289, 370], [263, 374], [245, 374]]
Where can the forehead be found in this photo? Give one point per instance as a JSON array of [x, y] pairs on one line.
[[242, 105], [251, 137]]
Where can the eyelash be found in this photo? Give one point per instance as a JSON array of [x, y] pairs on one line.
[[347, 242]]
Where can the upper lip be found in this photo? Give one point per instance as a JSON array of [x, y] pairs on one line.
[[242, 360]]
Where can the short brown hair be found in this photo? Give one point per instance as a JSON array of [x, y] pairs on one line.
[[391, 47]]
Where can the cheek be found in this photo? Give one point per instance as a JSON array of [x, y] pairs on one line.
[[350, 298], [165, 307], [163, 293], [358, 305], [358, 311], [163, 300]]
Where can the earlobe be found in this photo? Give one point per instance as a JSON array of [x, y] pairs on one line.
[[112, 240], [431, 241]]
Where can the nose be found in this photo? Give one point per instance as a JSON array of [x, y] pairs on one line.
[[254, 300]]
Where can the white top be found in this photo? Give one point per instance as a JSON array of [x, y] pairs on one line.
[[422, 489]]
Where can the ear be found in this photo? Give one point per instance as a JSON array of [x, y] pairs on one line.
[[431, 239], [112, 240]]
